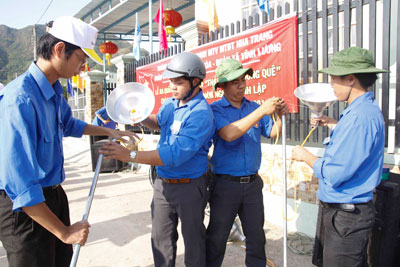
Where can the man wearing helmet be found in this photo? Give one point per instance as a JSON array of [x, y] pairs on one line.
[[187, 123]]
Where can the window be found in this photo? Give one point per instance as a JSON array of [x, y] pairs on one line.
[[250, 8]]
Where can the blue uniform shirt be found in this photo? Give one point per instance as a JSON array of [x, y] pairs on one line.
[[242, 156], [34, 118], [352, 163], [103, 113], [185, 137]]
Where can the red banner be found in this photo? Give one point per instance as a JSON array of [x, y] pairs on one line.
[[269, 49]]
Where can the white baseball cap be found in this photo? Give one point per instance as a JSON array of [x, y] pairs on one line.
[[76, 32]]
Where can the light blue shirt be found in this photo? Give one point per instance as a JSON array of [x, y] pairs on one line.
[[103, 113], [185, 137], [352, 163], [242, 156], [34, 118]]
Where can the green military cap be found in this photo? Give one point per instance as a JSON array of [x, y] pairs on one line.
[[229, 70], [352, 60]]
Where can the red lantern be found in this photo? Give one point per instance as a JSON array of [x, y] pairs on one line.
[[108, 48], [172, 20]]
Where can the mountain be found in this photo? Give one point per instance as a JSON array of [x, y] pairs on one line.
[[16, 51]]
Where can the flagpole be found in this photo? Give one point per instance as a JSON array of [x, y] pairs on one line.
[[151, 25]]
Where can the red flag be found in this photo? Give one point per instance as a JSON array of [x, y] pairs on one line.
[[162, 35]]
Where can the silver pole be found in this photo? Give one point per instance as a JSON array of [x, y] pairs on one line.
[[77, 247], [151, 26], [284, 190]]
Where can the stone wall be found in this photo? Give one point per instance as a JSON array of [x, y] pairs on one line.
[[94, 93]]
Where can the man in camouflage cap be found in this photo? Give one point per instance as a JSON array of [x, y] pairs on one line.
[[351, 166], [237, 188]]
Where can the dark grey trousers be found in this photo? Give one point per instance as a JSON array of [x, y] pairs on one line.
[[227, 199], [170, 203], [27, 243], [342, 236]]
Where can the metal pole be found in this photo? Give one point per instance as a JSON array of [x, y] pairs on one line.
[[105, 80], [284, 190], [88, 205], [151, 25], [34, 43]]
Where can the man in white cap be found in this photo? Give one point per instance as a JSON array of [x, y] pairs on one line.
[[35, 226]]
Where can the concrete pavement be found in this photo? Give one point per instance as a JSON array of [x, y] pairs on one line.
[[121, 221]]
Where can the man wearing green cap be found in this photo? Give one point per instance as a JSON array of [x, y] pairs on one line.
[[237, 187], [351, 166]]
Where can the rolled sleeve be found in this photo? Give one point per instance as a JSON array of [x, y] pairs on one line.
[[165, 155], [267, 124], [30, 197], [317, 167], [75, 128]]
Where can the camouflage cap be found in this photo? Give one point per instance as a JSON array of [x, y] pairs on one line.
[[229, 70]]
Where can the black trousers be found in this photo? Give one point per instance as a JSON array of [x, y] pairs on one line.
[[227, 199], [170, 203], [26, 242], [342, 236]]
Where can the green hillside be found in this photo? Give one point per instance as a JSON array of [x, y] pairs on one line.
[[16, 51]]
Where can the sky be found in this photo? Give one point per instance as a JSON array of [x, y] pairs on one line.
[[21, 13]]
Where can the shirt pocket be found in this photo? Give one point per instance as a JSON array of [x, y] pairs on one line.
[[46, 146], [254, 133]]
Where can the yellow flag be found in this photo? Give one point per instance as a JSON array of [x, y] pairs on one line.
[[79, 83], [212, 15], [74, 80]]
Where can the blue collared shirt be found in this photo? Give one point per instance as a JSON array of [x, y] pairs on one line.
[[242, 156], [352, 163], [185, 137], [34, 118], [103, 113]]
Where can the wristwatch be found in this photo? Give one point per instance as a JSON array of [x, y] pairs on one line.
[[133, 155]]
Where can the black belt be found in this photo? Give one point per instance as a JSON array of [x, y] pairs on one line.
[[48, 188], [342, 206], [242, 179]]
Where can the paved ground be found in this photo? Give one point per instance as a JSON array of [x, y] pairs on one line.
[[120, 218]]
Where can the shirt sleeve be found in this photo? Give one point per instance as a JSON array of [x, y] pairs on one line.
[[18, 155], [348, 148], [194, 133], [266, 125], [220, 113]]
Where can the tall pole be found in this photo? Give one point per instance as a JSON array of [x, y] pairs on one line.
[[284, 190], [34, 43], [151, 25], [105, 80]]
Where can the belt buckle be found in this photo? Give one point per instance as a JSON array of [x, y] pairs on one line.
[[348, 207], [245, 179]]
